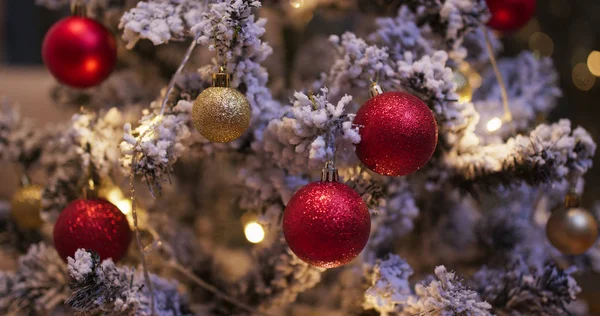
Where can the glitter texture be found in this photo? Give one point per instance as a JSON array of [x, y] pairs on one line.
[[95, 225], [326, 224], [221, 114], [398, 133], [572, 231], [25, 207]]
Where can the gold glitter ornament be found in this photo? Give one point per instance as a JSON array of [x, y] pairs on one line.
[[220, 113], [571, 229], [26, 205]]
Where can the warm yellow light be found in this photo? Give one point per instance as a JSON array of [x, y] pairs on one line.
[[541, 44], [296, 3], [116, 197], [144, 128], [583, 79], [254, 232], [494, 124], [593, 63], [124, 206]]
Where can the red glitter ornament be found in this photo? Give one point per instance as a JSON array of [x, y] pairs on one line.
[[510, 15], [95, 225], [326, 223], [79, 52], [398, 133]]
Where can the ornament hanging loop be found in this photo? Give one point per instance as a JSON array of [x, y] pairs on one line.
[[375, 90], [572, 200], [78, 8], [221, 79], [330, 173]]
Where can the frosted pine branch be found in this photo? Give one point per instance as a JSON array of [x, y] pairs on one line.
[[310, 133], [401, 35], [161, 21], [422, 27], [392, 219], [389, 288], [281, 276], [87, 144], [447, 295], [521, 289], [266, 184], [39, 285], [158, 148], [451, 21], [20, 142], [549, 153], [226, 25], [110, 290], [357, 64]]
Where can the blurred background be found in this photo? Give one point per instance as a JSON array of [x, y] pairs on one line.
[[566, 30]]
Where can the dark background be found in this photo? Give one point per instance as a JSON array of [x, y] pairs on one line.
[[566, 30]]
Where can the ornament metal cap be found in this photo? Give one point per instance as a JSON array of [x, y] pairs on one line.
[[330, 173], [221, 79], [572, 200], [78, 9], [375, 90]]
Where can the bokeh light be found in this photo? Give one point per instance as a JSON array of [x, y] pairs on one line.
[[296, 3], [116, 197], [254, 232], [494, 124], [593, 63], [582, 77], [541, 44]]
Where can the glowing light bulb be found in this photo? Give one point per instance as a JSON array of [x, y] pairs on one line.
[[494, 124], [254, 232], [142, 129], [124, 206], [296, 3], [116, 197]]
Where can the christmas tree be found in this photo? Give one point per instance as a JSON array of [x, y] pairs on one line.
[[229, 160]]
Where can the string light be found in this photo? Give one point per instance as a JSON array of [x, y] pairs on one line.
[[143, 129], [296, 3], [494, 124], [116, 197], [254, 232]]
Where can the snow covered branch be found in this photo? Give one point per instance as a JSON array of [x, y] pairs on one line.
[[549, 153], [161, 21], [390, 289], [522, 289], [40, 283], [107, 289], [310, 133], [446, 296]]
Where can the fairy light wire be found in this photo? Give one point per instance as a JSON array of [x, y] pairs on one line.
[[504, 94], [138, 143]]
